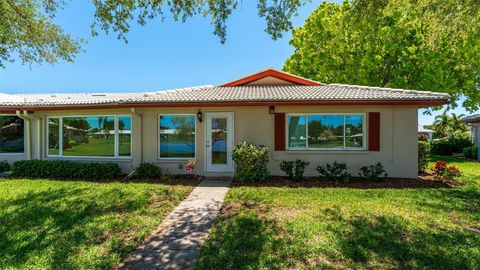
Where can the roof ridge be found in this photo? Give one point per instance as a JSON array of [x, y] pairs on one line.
[[191, 88]]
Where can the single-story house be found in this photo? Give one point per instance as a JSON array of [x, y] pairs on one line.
[[294, 116], [474, 122]]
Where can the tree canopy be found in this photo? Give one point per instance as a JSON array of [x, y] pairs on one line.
[[27, 29], [431, 45]]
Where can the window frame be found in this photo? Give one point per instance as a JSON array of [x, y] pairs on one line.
[[345, 148], [60, 137], [24, 142], [159, 141]]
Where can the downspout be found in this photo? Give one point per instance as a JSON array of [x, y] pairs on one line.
[[28, 132]]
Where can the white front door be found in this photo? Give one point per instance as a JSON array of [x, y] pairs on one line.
[[219, 141]]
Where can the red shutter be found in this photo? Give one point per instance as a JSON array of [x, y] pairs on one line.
[[280, 132], [374, 131]]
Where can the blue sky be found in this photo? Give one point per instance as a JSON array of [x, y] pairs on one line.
[[160, 55]]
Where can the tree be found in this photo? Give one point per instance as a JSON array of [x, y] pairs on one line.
[[431, 45], [27, 29], [445, 124], [442, 123]]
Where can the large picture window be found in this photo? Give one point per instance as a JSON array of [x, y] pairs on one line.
[[89, 136], [326, 131], [177, 136], [11, 134]]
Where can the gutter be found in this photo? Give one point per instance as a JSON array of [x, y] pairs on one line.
[[28, 132]]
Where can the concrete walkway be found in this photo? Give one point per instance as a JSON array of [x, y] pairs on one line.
[[176, 242]]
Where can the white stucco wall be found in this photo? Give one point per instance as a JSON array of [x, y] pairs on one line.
[[398, 139]]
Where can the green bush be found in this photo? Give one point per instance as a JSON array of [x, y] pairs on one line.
[[470, 152], [373, 172], [423, 155], [62, 169], [294, 169], [4, 166], [251, 162], [147, 170], [335, 171], [450, 146]]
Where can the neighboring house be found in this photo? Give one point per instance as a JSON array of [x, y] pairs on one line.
[[474, 121], [293, 116], [426, 132]]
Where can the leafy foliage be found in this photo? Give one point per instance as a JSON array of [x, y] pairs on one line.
[[147, 170], [423, 155], [373, 172], [335, 171], [251, 162], [27, 31], [294, 169], [450, 146], [445, 124], [470, 152], [443, 171], [412, 44], [62, 169], [27, 28], [4, 166]]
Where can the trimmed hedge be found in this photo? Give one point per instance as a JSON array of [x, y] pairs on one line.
[[4, 166], [470, 152], [450, 146], [251, 162], [63, 169], [423, 155], [147, 170]]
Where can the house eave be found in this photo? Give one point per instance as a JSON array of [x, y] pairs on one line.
[[420, 103]]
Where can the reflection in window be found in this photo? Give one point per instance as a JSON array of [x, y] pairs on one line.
[[297, 134], [219, 141], [325, 131], [177, 136], [53, 136], [353, 131], [11, 134], [89, 136], [124, 136]]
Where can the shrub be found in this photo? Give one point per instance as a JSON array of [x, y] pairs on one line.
[[294, 169], [450, 146], [251, 162], [147, 170], [4, 166], [335, 171], [62, 169], [373, 172], [423, 155], [470, 152], [442, 171]]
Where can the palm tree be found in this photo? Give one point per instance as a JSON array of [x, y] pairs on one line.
[[455, 123], [442, 123]]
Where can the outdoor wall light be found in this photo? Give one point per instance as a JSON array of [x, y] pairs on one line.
[[271, 109], [200, 116]]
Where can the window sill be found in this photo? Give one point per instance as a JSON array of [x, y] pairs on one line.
[[363, 151], [111, 159], [173, 160]]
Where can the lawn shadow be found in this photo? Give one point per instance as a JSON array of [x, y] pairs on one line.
[[241, 239], [52, 222], [390, 240]]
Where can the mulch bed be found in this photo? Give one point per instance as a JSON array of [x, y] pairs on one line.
[[424, 181], [174, 180]]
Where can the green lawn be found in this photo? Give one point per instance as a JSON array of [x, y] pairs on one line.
[[343, 228], [78, 225]]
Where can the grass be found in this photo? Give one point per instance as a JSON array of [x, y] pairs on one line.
[[78, 225], [342, 228]]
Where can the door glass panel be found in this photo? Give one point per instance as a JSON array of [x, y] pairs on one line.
[[219, 141]]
